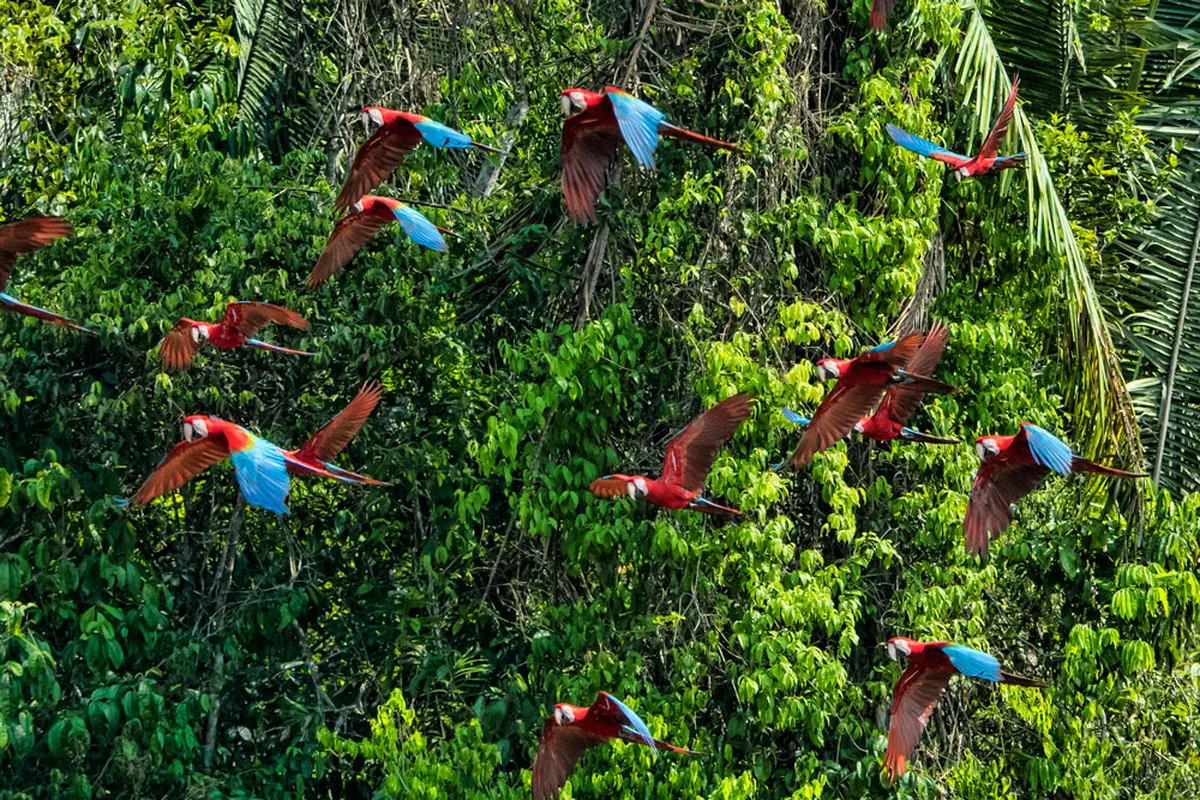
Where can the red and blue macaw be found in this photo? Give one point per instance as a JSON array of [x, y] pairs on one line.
[[572, 730], [237, 328], [930, 667], [369, 214], [966, 167], [1011, 467], [596, 125], [861, 382], [690, 456], [399, 132], [26, 236], [315, 455]]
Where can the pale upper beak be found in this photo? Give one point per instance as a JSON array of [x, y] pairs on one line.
[[567, 106]]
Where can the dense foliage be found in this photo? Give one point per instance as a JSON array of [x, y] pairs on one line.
[[408, 642]]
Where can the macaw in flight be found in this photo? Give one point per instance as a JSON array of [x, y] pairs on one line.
[[1011, 467], [930, 667], [368, 215], [399, 132], [860, 383], [237, 328], [966, 167], [572, 730], [690, 456], [313, 456], [596, 125], [26, 236], [879, 13]]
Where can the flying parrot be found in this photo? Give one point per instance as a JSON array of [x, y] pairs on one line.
[[879, 13], [930, 667], [572, 730], [860, 383], [368, 215], [901, 400], [313, 456], [690, 456], [27, 236], [964, 167], [399, 132], [1011, 467], [242, 321], [596, 125]]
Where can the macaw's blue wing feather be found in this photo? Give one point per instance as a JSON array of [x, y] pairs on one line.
[[972, 662], [419, 229], [879, 348], [794, 418], [1048, 450], [1005, 160], [639, 123], [261, 470], [924, 147], [635, 722], [439, 135]]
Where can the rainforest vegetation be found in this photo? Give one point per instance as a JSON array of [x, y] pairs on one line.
[[409, 641]]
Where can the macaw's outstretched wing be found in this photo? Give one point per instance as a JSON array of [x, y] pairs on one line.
[[25, 236], [1047, 449], [419, 229], [998, 484], [377, 159], [348, 237], [443, 136], [589, 148], [639, 123], [895, 353], [332, 438], [261, 469], [178, 348], [248, 318], [185, 461], [973, 663], [902, 400], [991, 145], [558, 752], [924, 147], [690, 455], [917, 694], [834, 418], [610, 708]]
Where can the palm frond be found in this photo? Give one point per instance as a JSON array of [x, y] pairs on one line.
[[265, 31]]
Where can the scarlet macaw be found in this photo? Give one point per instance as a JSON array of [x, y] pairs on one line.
[[964, 167], [1011, 467], [872, 431], [324, 445], [26, 236], [860, 383], [930, 667], [689, 458], [370, 214], [237, 328], [879, 13], [901, 400], [399, 132], [572, 730], [596, 125]]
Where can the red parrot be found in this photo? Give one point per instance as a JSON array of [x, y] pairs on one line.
[[399, 132], [1011, 467], [690, 456], [324, 445], [860, 383], [901, 400], [27, 236], [930, 667], [879, 13], [237, 328], [572, 730], [966, 167], [370, 213], [596, 125]]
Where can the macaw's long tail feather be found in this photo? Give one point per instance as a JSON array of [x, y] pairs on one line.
[[683, 751], [1018, 680], [274, 348], [676, 132], [706, 506], [479, 146], [353, 477], [1008, 162], [10, 304], [910, 435], [1083, 465], [926, 384]]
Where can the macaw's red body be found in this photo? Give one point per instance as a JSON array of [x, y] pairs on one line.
[[26, 236], [369, 214], [690, 456], [597, 123], [315, 455], [572, 730], [1011, 467], [964, 166], [901, 400], [879, 13], [237, 328], [861, 382], [930, 667], [398, 134]]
